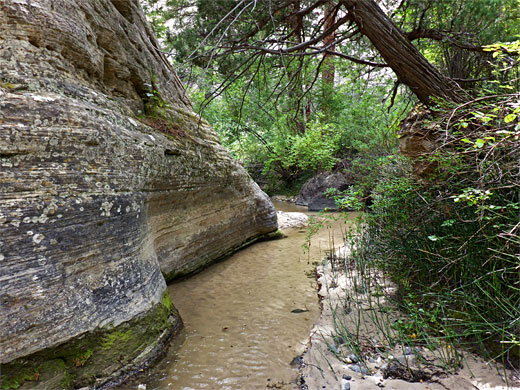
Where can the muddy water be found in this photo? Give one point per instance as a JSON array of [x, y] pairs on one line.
[[245, 318]]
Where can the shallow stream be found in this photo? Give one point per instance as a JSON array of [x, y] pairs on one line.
[[245, 318]]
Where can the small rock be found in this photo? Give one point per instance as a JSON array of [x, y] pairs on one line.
[[358, 368], [380, 385], [406, 360], [332, 348], [345, 386], [353, 358], [371, 360], [408, 351], [299, 311], [297, 361], [141, 387], [347, 377]]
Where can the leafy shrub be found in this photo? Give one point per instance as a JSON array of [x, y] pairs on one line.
[[452, 239]]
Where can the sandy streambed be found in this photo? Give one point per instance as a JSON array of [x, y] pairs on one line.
[[246, 318]]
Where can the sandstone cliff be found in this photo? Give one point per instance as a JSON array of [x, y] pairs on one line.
[[108, 181]]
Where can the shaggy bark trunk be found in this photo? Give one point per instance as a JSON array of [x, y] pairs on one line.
[[404, 58], [295, 91], [329, 69]]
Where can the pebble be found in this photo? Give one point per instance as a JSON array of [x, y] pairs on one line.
[[406, 360], [353, 358], [408, 351], [141, 387], [345, 386], [347, 377], [297, 361], [358, 368]]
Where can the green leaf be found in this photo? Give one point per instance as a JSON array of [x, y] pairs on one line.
[[479, 143], [448, 222], [465, 140], [510, 118]]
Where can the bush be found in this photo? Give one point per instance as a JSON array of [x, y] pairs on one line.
[[451, 239]]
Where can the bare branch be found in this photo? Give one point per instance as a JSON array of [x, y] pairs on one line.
[[358, 60]]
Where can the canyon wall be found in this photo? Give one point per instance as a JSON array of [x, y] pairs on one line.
[[108, 184]]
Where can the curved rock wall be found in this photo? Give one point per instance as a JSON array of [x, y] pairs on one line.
[[108, 181]]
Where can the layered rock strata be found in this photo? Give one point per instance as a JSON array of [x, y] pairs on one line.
[[108, 182]]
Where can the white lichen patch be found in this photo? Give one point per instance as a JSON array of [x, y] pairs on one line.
[[41, 98], [37, 238], [105, 208]]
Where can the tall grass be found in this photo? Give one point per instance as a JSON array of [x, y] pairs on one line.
[[450, 239]]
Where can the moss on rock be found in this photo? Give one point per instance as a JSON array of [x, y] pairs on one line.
[[97, 357]]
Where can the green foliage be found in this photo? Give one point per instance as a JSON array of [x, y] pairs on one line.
[[154, 103], [461, 23], [451, 238], [315, 149], [346, 200], [355, 123], [445, 242], [158, 13]]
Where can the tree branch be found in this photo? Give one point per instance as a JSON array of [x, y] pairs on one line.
[[439, 35]]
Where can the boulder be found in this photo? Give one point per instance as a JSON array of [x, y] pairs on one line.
[[108, 183], [287, 220], [321, 202], [312, 192]]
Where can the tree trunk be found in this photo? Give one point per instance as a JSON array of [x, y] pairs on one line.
[[404, 58], [294, 74], [329, 69]]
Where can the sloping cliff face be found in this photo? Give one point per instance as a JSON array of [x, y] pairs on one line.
[[108, 181]]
